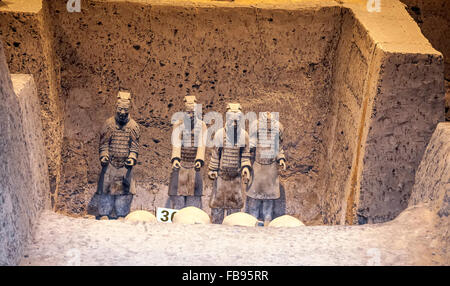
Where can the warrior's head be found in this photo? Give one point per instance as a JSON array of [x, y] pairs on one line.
[[234, 115], [269, 116], [123, 107], [266, 115], [189, 102]]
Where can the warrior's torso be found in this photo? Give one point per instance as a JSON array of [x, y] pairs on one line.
[[266, 151], [191, 137], [121, 140], [229, 158], [119, 144], [266, 143], [230, 161]]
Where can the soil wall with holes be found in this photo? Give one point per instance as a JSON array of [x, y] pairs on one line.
[[359, 93]]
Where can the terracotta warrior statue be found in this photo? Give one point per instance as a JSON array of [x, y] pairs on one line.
[[230, 165], [266, 139], [119, 148], [188, 157]]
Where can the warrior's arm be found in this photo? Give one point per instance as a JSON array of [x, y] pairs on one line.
[[134, 144], [176, 141], [104, 141], [214, 162], [246, 155], [201, 149], [253, 141], [215, 159], [280, 155]]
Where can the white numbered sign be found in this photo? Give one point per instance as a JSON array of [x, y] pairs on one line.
[[165, 215]]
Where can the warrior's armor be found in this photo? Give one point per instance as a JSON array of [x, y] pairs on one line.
[[267, 152], [186, 185], [230, 156], [119, 142], [119, 149]]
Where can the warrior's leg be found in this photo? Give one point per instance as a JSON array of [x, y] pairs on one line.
[[177, 202], [194, 201], [267, 210], [123, 204], [105, 205], [232, 211], [217, 215], [253, 206]]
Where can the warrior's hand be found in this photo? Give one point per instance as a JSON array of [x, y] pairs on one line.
[[176, 164], [246, 175], [130, 162], [212, 175], [104, 160], [198, 165], [283, 164]]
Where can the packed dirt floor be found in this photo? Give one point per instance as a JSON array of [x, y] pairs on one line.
[[61, 240], [360, 95]]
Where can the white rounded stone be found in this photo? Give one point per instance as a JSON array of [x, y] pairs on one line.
[[240, 219], [140, 216], [286, 221], [191, 215]]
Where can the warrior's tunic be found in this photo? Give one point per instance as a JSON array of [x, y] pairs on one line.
[[118, 142], [188, 148], [229, 160], [267, 151]]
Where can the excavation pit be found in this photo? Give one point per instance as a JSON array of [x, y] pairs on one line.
[[359, 93]]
